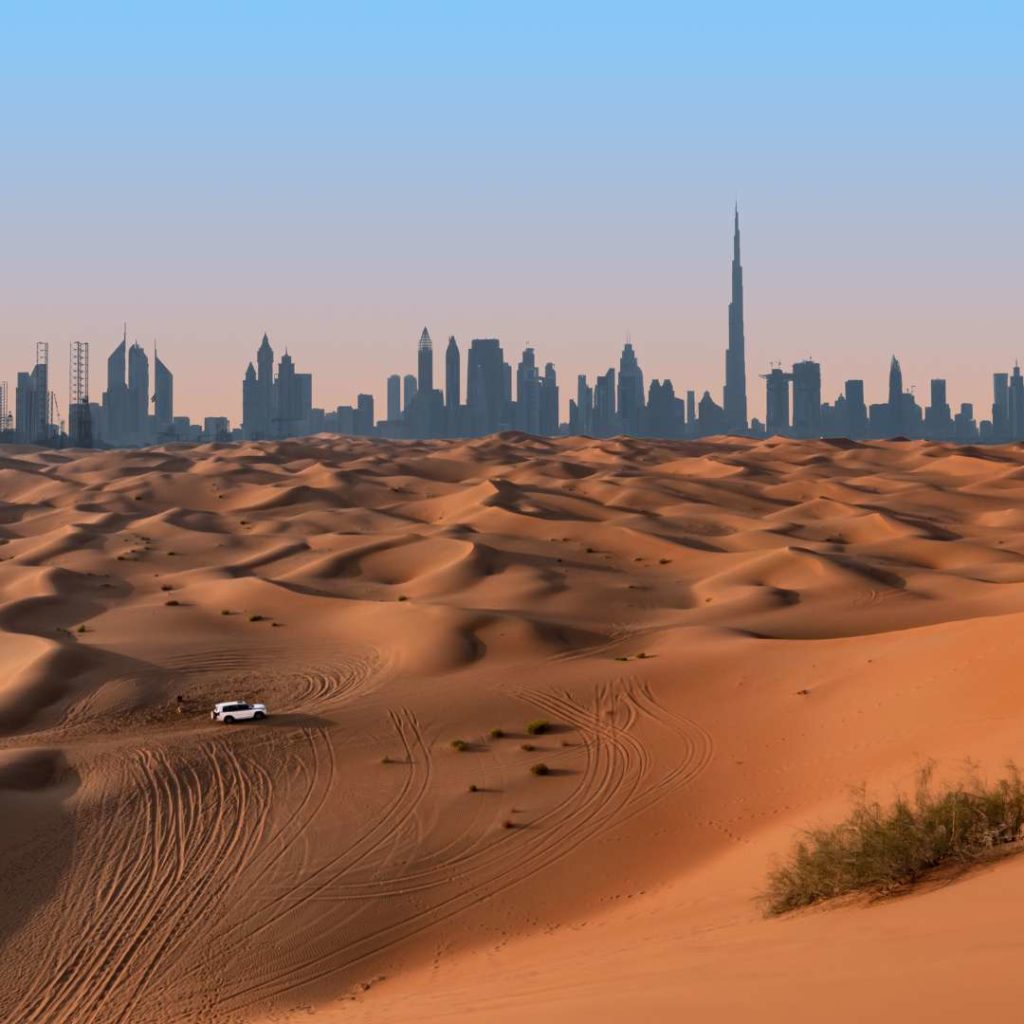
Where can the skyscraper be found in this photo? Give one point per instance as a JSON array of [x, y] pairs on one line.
[[527, 411], [116, 414], [452, 386], [408, 392], [485, 385], [777, 400], [735, 393], [425, 363], [631, 391], [163, 394], [394, 398], [807, 399]]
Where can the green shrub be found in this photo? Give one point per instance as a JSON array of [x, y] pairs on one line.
[[540, 769], [538, 727], [460, 745], [881, 849], [496, 734], [257, 618]]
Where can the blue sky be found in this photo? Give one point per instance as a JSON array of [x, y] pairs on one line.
[[559, 174]]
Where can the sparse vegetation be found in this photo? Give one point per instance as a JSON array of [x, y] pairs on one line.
[[459, 745], [528, 747], [879, 849], [474, 788], [496, 734], [172, 603], [166, 586], [540, 769], [225, 611], [664, 561], [385, 759], [257, 618], [402, 597], [81, 629], [508, 823], [538, 727]]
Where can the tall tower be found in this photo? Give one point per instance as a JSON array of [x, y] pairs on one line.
[[425, 363], [163, 394], [79, 417], [734, 397]]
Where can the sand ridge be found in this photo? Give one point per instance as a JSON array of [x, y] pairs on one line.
[[725, 635]]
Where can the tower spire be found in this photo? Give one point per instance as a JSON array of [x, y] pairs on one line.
[[734, 397]]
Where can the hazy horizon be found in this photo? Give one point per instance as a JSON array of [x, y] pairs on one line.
[[339, 178]]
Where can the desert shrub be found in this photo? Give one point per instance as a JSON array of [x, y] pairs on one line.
[[225, 611], [474, 788], [527, 747], [402, 597], [496, 734], [538, 727], [172, 604], [879, 849], [459, 745], [540, 769], [256, 618], [507, 823]]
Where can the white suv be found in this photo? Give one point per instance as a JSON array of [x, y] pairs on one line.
[[237, 711]]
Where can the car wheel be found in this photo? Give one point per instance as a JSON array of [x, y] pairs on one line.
[[259, 715], [229, 719]]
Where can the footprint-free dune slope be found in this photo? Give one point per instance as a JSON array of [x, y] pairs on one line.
[[724, 636]]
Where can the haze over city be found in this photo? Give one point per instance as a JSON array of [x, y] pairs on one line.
[[561, 177]]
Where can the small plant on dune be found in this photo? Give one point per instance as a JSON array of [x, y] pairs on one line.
[[402, 597], [540, 769], [385, 759], [496, 734], [664, 561], [538, 727], [508, 823], [225, 611], [172, 603], [81, 629], [880, 849], [474, 788], [167, 586], [528, 747], [459, 745], [257, 618]]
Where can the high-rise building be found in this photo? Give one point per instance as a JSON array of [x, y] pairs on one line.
[[138, 394], [452, 387], [605, 416], [425, 363], [937, 418], [807, 399], [527, 408], [408, 392], [485, 386], [856, 410], [548, 401], [777, 400], [631, 391], [163, 396], [1016, 404], [735, 393], [1000, 406], [364, 415], [394, 398], [581, 412]]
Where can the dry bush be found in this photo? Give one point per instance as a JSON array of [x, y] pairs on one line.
[[879, 849]]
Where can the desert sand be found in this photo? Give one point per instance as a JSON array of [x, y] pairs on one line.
[[726, 637]]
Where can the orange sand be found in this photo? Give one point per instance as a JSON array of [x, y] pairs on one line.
[[663, 604]]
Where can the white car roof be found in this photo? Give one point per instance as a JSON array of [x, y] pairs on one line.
[[227, 703]]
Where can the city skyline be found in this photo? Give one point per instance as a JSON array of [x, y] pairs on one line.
[[559, 178], [498, 394]]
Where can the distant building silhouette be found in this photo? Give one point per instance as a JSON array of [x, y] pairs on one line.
[[735, 393]]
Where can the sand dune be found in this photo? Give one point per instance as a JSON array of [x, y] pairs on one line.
[[725, 636]]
